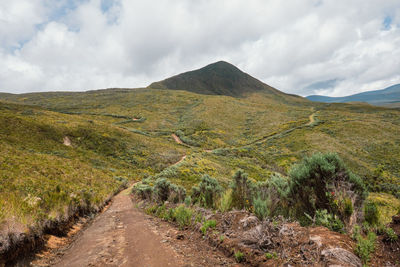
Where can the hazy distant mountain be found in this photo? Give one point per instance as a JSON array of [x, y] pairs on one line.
[[387, 96], [220, 78]]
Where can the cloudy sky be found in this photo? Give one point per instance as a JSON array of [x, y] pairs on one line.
[[331, 47]]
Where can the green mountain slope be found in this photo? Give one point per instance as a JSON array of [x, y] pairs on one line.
[[220, 78], [387, 96]]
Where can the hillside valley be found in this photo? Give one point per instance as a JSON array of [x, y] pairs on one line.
[[64, 154]]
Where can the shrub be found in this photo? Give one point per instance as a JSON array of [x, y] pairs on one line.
[[260, 208], [225, 202], [160, 212], [275, 192], [271, 255], [317, 180], [242, 190], [239, 256], [390, 235], [164, 190], [195, 194], [188, 201], [161, 189], [356, 232], [207, 192], [169, 215], [151, 210], [330, 221], [365, 246], [183, 216], [176, 193], [208, 224], [371, 214], [143, 190]]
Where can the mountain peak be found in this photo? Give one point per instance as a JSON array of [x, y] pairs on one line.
[[219, 78]]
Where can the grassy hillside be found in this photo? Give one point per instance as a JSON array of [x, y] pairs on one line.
[[258, 133], [43, 180]]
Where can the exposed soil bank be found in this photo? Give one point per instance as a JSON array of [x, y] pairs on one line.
[[17, 249]]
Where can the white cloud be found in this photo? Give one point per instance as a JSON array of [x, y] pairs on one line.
[[288, 44]]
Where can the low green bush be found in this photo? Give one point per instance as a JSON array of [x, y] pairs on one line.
[[365, 246], [188, 201], [321, 182], [225, 202], [207, 193], [371, 214], [177, 193], [144, 191], [239, 256], [330, 221], [242, 190], [183, 216], [390, 235], [208, 224], [122, 180], [269, 255], [260, 208], [162, 189]]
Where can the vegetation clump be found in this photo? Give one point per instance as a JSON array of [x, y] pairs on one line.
[[239, 256], [208, 224], [322, 182], [371, 215], [163, 190], [242, 190], [365, 246], [183, 216], [207, 193]]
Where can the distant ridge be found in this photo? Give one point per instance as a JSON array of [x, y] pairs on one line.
[[220, 78], [385, 97]]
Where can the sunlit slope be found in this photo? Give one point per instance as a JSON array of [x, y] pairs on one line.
[[43, 178]]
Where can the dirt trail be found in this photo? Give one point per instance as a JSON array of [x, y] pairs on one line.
[[177, 139], [182, 159], [312, 118], [120, 236], [124, 236]]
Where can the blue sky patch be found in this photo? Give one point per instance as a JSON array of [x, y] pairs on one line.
[[387, 22]]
